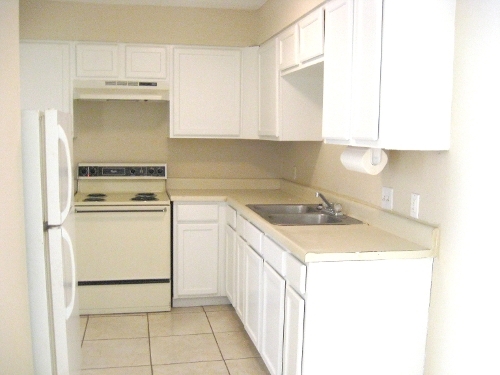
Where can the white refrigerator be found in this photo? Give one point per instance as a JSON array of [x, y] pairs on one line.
[[49, 220]]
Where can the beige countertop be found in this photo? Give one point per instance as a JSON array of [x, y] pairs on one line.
[[316, 243]]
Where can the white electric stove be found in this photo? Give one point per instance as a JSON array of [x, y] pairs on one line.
[[123, 234]]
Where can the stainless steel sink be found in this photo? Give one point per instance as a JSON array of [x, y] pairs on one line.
[[271, 209], [300, 214]]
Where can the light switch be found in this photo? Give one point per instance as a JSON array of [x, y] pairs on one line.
[[414, 205]]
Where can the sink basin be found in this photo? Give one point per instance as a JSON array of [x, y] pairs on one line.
[[300, 214], [284, 208]]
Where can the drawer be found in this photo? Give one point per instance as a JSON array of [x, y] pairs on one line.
[[295, 273], [253, 236], [197, 212], [240, 225], [274, 255], [231, 217]]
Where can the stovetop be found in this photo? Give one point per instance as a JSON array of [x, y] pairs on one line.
[[122, 198], [121, 184]]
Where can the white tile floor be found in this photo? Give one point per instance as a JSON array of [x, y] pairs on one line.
[[206, 340]]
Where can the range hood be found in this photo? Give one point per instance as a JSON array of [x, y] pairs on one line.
[[120, 90]]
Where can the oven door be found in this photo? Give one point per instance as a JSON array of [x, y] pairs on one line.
[[123, 257]]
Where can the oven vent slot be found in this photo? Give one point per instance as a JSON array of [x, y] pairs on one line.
[[120, 90], [131, 83]]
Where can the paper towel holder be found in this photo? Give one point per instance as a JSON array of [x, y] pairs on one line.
[[364, 159], [376, 155]]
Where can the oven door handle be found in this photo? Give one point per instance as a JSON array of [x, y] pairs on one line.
[[104, 210]]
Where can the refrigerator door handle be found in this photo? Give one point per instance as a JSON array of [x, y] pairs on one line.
[[71, 304], [64, 140]]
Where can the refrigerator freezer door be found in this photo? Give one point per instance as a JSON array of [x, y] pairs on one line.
[[58, 166]]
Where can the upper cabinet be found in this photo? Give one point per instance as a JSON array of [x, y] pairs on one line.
[[393, 92], [97, 60], [45, 75], [311, 30], [206, 92], [121, 61], [291, 82], [145, 62], [289, 47], [268, 89], [302, 43]]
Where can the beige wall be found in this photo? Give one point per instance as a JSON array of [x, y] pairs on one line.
[[15, 342], [407, 172], [43, 19], [138, 132]]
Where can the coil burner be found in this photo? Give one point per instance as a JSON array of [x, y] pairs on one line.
[[95, 197], [145, 197]]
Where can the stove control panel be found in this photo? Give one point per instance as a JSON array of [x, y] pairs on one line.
[[157, 171]]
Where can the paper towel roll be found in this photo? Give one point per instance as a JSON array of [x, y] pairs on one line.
[[359, 159]]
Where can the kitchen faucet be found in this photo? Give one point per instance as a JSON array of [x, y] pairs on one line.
[[335, 209]]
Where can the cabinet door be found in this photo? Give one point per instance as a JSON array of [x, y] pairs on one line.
[[268, 89], [240, 278], [145, 62], [288, 48], [273, 316], [45, 76], [338, 69], [253, 315], [294, 333], [366, 59], [230, 262], [196, 259], [97, 60], [206, 97], [311, 35]]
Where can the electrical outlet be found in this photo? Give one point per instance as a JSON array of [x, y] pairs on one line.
[[387, 198], [414, 205]]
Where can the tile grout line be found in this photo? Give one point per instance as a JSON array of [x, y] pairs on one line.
[[85, 330], [215, 338], [149, 343]]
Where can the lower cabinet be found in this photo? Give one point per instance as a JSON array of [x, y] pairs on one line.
[[273, 317], [194, 275], [240, 279], [230, 263], [253, 282], [362, 317], [198, 252], [294, 332]]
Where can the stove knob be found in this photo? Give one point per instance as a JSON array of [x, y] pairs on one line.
[[82, 171], [92, 171], [132, 171], [151, 171]]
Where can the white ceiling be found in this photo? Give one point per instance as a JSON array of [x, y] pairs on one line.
[[222, 4]]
